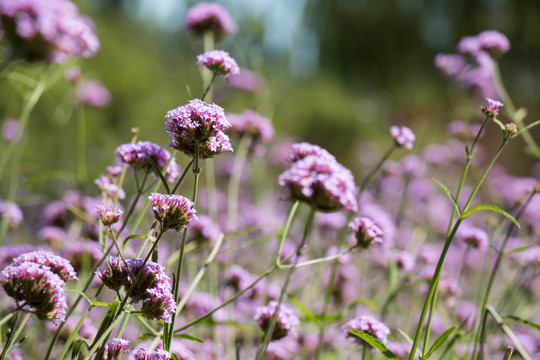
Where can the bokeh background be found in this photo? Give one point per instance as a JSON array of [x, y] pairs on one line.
[[336, 73]]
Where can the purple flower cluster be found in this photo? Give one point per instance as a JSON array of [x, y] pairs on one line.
[[211, 17], [108, 214], [107, 184], [369, 325], [197, 128], [219, 62], [112, 350], [203, 230], [320, 181], [135, 155], [490, 40], [148, 284], [37, 279], [301, 150], [366, 231], [473, 237], [285, 322], [93, 93], [403, 136], [10, 129], [157, 354], [491, 109], [12, 211], [172, 211], [36, 30], [252, 124]]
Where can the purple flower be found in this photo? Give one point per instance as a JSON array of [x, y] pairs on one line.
[[12, 211], [219, 62], [366, 231], [9, 130], [252, 124], [493, 42], [93, 93], [246, 80], [48, 261], [159, 304], [151, 276], [369, 325], [108, 214], [106, 185], [211, 17], [82, 252], [198, 124], [112, 350], [157, 354], [452, 64], [73, 74], [113, 273], [403, 136], [203, 230], [172, 211], [474, 237], [135, 155], [462, 129], [35, 30], [469, 45], [285, 322], [492, 108], [301, 150], [238, 278], [10, 252], [324, 184], [37, 287]]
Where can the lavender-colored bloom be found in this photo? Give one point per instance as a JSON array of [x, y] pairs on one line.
[[113, 273], [203, 230], [493, 41], [403, 136], [35, 30], [93, 93], [198, 123], [369, 325], [219, 62], [238, 278], [49, 261], [51, 234], [135, 155], [366, 231], [301, 150], [9, 130], [462, 129], [152, 275], [82, 252], [112, 350], [10, 252], [108, 214], [172, 211], [469, 45], [252, 124], [474, 237], [73, 74], [286, 320], [159, 304], [211, 17], [324, 184], [15, 354], [12, 211], [404, 260], [246, 80], [37, 287], [450, 64], [491, 109], [157, 354], [105, 184]]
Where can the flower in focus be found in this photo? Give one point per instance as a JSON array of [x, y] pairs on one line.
[[50, 262], [93, 93], [135, 155], [403, 136], [301, 150], [285, 322], [113, 273], [12, 211], [369, 325], [219, 62], [366, 231], [157, 354], [108, 214], [492, 108], [52, 30], [172, 211], [160, 304], [211, 17], [197, 128], [112, 350]]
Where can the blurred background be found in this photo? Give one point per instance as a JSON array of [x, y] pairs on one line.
[[337, 73]]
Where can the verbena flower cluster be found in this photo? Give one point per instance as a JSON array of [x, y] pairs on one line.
[[172, 211], [93, 93], [403, 136], [219, 62], [366, 231], [369, 325], [112, 350], [210, 17], [108, 214], [286, 320]]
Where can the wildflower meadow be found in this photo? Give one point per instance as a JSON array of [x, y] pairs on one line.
[[225, 237]]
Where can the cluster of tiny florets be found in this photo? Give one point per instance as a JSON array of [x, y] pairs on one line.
[[219, 62], [172, 211], [157, 354], [210, 17], [403, 136], [366, 231], [112, 350], [369, 325], [108, 214], [251, 123], [11, 211], [491, 109], [286, 320]]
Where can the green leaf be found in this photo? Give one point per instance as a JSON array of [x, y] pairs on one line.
[[157, 170], [373, 342], [439, 341], [100, 303], [526, 322], [492, 208], [304, 310], [108, 319], [448, 193], [189, 337], [80, 347], [174, 356], [410, 341], [519, 249]]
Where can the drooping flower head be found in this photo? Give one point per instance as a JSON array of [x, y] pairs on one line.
[[369, 325], [324, 184], [135, 155], [49, 261], [198, 123], [112, 350], [219, 62], [301, 150], [212, 17], [172, 211], [491, 109], [93, 93], [52, 30], [108, 214], [252, 124], [403, 136], [366, 231], [286, 320]]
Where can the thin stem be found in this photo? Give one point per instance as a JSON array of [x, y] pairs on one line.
[[186, 170], [288, 224], [373, 171], [234, 183], [134, 203], [13, 337]]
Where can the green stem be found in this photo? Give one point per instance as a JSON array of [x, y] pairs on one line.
[[373, 171], [234, 183], [288, 224], [13, 336]]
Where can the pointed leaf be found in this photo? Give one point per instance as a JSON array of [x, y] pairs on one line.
[[157, 171], [373, 342], [304, 310], [448, 193], [108, 319], [174, 356], [519, 249], [492, 208], [80, 347], [526, 322], [440, 340]]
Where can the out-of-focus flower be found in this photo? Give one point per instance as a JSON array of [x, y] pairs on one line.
[[93, 93], [203, 230], [474, 237], [301, 150], [112, 350], [10, 252], [35, 30], [369, 325], [219, 62], [493, 42], [286, 320], [246, 80], [251, 124], [12, 211], [82, 252], [198, 124], [211, 17], [172, 211], [9, 130], [403, 136], [135, 155], [105, 184], [73, 74], [366, 231], [48, 261], [491, 109], [463, 130], [108, 214]]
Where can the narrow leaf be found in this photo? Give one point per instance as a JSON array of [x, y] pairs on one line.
[[189, 337], [373, 342], [492, 208], [304, 310], [448, 193], [519, 249], [410, 341], [108, 319], [440, 340], [174, 356], [157, 170], [80, 347], [526, 322], [508, 353]]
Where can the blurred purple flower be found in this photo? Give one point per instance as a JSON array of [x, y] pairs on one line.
[[369, 325], [299, 151], [9, 130], [366, 231], [93, 93], [252, 124], [73, 74], [219, 62], [463, 130], [203, 230], [286, 320], [12, 211], [474, 237], [403, 136], [246, 80], [212, 17], [493, 42]]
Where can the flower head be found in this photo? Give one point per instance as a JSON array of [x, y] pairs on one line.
[[203, 230], [366, 231], [50, 261], [93, 93], [73, 74], [211, 17], [113, 273], [285, 322], [251, 123], [12, 211], [219, 62], [403, 136], [172, 211], [492, 108], [108, 214], [369, 325], [112, 350], [159, 305], [136, 156], [301, 150], [493, 42], [474, 237], [36, 30], [198, 124], [157, 354]]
